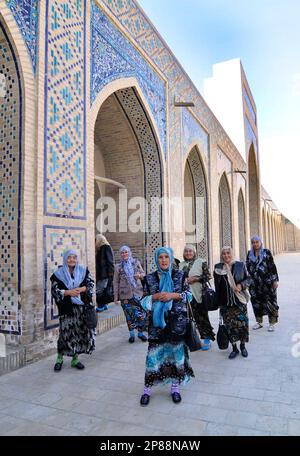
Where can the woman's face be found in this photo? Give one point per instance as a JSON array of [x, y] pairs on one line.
[[72, 260], [256, 245], [227, 256], [124, 255], [164, 261], [188, 254]]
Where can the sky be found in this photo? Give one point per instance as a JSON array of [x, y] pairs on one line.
[[265, 35]]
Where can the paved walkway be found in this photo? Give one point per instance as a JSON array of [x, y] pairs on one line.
[[255, 396]]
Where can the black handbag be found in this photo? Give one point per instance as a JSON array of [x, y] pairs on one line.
[[90, 316], [222, 335], [209, 298], [193, 340]]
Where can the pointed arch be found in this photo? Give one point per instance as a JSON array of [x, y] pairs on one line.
[[253, 192], [126, 151], [225, 212], [196, 203], [242, 226]]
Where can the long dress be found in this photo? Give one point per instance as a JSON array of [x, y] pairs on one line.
[[233, 311], [136, 317], [74, 336], [199, 311], [263, 274], [104, 275], [168, 356]]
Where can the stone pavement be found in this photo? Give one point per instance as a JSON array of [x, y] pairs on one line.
[[255, 396]]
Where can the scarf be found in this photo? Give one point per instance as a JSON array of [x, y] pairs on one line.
[[128, 266], [252, 254], [63, 274], [100, 241], [165, 285], [226, 270], [186, 265]]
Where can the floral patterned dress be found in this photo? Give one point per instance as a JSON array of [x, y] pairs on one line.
[[168, 357]]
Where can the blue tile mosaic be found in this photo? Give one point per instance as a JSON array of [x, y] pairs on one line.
[[113, 57], [26, 14]]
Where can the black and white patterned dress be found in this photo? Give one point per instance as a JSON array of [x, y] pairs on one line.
[[74, 336]]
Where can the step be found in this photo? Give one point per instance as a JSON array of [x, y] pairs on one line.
[[16, 356]]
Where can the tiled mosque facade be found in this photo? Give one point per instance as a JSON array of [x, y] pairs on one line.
[[93, 100]]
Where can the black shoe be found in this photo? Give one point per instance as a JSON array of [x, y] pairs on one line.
[[233, 354], [145, 399], [244, 352], [57, 367], [176, 397], [143, 338], [131, 339], [78, 365]]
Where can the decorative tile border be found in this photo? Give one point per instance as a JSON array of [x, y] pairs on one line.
[[10, 191], [65, 109], [56, 241], [192, 132], [26, 14], [113, 57]]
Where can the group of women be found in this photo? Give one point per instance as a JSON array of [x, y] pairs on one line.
[[156, 302]]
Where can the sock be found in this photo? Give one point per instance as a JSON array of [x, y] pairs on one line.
[[131, 333], [174, 388], [242, 345], [234, 347], [140, 333], [74, 360], [147, 390], [59, 358]]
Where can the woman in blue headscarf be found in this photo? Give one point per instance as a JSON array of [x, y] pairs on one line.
[[128, 289], [264, 283], [166, 294], [72, 288]]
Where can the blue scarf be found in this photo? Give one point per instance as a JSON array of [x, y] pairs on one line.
[[63, 274], [165, 285], [128, 266], [252, 254]]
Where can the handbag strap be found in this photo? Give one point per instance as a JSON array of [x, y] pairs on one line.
[[190, 310]]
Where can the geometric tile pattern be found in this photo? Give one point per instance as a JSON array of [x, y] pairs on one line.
[[152, 168], [242, 227], [56, 241], [225, 213], [113, 57], [26, 14], [65, 110], [199, 182], [10, 181], [193, 131]]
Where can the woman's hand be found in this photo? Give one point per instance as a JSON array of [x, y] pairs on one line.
[[191, 280], [138, 276], [275, 285], [238, 288], [73, 293], [165, 297]]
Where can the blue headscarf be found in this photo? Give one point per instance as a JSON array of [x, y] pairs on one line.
[[128, 266], [252, 254], [165, 285], [64, 275]]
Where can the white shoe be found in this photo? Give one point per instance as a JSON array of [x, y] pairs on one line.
[[257, 326], [271, 328]]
